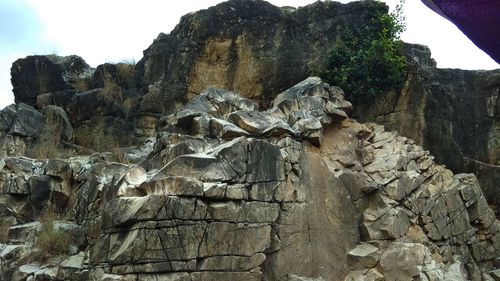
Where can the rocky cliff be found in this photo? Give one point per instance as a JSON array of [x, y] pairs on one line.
[[454, 113], [156, 173], [259, 50], [230, 192]]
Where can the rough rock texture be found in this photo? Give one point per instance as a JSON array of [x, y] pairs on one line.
[[36, 75], [259, 50], [249, 47], [215, 200], [454, 113], [257, 182]]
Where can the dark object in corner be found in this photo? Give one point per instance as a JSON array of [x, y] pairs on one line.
[[478, 20]]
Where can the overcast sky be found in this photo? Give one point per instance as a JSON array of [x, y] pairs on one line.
[[119, 30]]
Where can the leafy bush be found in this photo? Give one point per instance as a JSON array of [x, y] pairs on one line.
[[368, 61]]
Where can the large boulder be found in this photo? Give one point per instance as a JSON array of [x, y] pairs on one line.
[[35, 75]]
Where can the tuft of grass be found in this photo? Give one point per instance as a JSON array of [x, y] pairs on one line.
[[52, 242], [100, 142], [112, 93], [125, 72], [81, 85], [46, 146]]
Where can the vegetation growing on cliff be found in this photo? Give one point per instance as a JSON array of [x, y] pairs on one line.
[[368, 61], [50, 241]]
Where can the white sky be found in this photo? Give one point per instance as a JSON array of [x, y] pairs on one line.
[[119, 30]]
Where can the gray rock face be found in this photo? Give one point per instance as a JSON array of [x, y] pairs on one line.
[[301, 111], [235, 44], [361, 204], [36, 75], [27, 131], [257, 182], [27, 121], [452, 112]]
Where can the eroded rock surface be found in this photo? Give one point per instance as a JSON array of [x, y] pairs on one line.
[[256, 182], [221, 197], [36, 75], [249, 47], [259, 50], [452, 112]]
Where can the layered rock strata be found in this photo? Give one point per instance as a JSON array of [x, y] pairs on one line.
[[259, 50], [454, 113], [229, 192]]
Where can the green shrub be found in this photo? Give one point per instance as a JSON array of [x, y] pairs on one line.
[[368, 61]]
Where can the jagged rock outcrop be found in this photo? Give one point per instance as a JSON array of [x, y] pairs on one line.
[[258, 50], [250, 47], [257, 182], [226, 198], [36, 75], [26, 131], [454, 113]]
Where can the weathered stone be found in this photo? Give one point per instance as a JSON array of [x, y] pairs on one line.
[[155, 267], [70, 267], [7, 117], [225, 276], [180, 186], [25, 271], [35, 75], [231, 263], [188, 165], [260, 123], [28, 121], [266, 161], [248, 212], [363, 256], [455, 271], [236, 192], [57, 123], [297, 278], [402, 261], [223, 129], [365, 275], [224, 239], [176, 276], [129, 210], [207, 202], [392, 224], [406, 183], [464, 145], [495, 274], [263, 191]]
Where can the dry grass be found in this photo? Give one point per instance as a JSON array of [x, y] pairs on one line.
[[46, 147], [111, 93], [52, 242], [100, 142], [125, 71], [81, 85], [4, 234], [130, 106]]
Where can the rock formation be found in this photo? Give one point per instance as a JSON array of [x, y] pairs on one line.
[[259, 50], [157, 173], [454, 113], [230, 192]]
